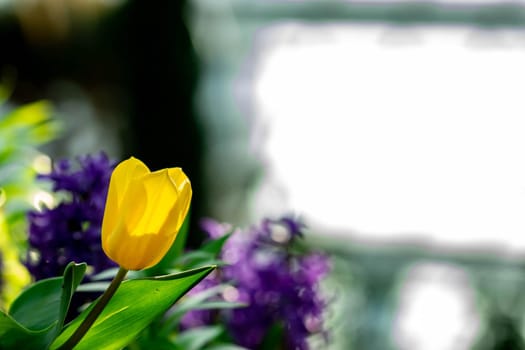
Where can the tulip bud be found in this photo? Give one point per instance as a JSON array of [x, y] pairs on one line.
[[144, 212]]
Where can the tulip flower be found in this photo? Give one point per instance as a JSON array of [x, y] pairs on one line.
[[144, 212]]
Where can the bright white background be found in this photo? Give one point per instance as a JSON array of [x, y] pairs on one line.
[[395, 132]]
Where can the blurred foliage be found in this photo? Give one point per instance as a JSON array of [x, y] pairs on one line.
[[164, 331], [22, 130]]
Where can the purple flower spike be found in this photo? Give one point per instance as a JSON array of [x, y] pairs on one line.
[[280, 288], [295, 227], [71, 230]]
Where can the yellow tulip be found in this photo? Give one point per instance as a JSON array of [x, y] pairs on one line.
[[144, 212]]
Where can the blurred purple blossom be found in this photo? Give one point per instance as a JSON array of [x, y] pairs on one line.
[[202, 317], [280, 285], [71, 230]]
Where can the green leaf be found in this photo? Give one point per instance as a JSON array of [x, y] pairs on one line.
[[199, 301], [106, 274], [194, 300], [38, 313], [151, 343], [215, 305], [27, 115], [93, 287], [196, 338], [215, 246], [273, 337], [73, 274], [13, 334], [38, 306], [205, 255], [195, 262], [133, 307], [47, 301], [225, 347]]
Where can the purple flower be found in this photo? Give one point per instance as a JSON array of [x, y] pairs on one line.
[[71, 230], [213, 228], [279, 286]]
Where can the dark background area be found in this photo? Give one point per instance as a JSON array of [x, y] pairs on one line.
[[137, 59]]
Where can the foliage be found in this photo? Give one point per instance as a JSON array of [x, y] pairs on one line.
[[36, 317], [273, 281], [22, 130]]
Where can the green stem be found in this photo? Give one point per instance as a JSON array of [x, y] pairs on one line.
[[95, 311]]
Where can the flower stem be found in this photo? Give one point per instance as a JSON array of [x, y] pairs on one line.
[[95, 311]]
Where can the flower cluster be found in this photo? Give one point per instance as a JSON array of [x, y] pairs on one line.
[[279, 286], [71, 230]]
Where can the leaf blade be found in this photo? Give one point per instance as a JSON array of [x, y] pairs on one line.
[[134, 306], [13, 334]]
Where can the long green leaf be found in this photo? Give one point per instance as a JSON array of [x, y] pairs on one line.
[[47, 301], [38, 306], [14, 336], [133, 307], [215, 246], [73, 275], [38, 313], [27, 115], [205, 255]]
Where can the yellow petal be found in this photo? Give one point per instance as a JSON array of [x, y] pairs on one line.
[[134, 205], [143, 214], [179, 179], [178, 212], [118, 185], [142, 252], [161, 196], [125, 172]]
